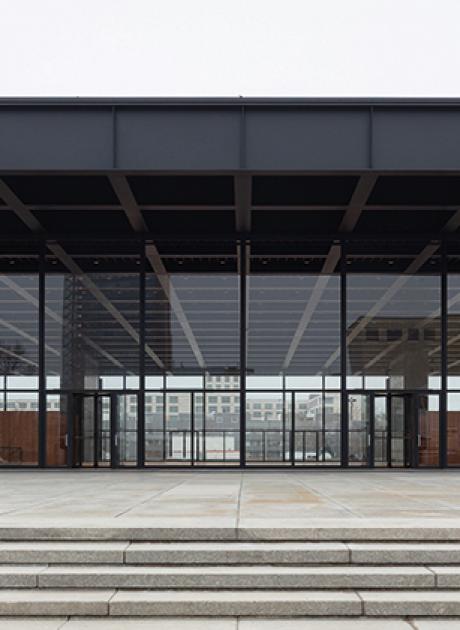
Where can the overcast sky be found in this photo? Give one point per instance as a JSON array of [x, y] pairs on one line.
[[230, 47]]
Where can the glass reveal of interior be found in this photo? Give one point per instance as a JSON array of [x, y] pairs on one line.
[[142, 352]]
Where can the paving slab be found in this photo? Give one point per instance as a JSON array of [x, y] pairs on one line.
[[232, 603], [200, 623], [52, 623], [435, 624], [236, 577], [36, 602], [324, 624], [411, 603]]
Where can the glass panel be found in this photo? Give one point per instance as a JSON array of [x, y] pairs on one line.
[[19, 429], [380, 431], [453, 331], [317, 428], [400, 437], [359, 425], [375, 382], [56, 429], [428, 426], [294, 327], [264, 382], [453, 428], [265, 435], [154, 424], [228, 381], [85, 430], [222, 439], [394, 329], [304, 382], [154, 382], [127, 429], [178, 426], [195, 326], [92, 329], [184, 382], [103, 431]]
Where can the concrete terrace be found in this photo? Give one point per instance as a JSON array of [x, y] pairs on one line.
[[229, 500]]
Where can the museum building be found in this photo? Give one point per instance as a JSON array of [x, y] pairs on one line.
[[230, 282]]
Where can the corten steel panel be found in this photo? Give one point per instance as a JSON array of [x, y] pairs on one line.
[[55, 138], [415, 139], [307, 139], [178, 139]]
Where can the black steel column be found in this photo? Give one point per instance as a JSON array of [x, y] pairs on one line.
[[243, 329], [141, 397], [41, 359], [443, 446], [343, 359]]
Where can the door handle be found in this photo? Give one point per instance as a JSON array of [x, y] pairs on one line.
[[369, 439], [419, 439], [66, 440], [116, 439]]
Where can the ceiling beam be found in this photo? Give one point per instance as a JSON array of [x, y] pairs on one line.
[[243, 199], [127, 200], [22, 211]]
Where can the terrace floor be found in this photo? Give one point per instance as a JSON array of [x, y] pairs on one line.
[[228, 499]]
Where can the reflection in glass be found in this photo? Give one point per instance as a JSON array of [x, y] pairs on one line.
[[19, 429], [92, 329], [428, 430], [57, 412], [359, 429], [394, 328], [266, 437]]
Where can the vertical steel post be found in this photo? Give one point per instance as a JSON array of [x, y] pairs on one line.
[[243, 330], [41, 359], [343, 359], [443, 408], [141, 395]]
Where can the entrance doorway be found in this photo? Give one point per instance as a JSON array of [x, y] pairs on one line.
[[104, 430], [393, 430]]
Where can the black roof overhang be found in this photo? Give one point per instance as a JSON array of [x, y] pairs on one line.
[[229, 166]]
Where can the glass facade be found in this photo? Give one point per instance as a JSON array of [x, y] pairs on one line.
[[136, 358]]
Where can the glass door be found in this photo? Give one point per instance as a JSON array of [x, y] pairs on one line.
[[91, 430], [104, 430], [427, 424], [360, 424], [391, 440]]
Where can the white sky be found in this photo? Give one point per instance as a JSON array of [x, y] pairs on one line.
[[230, 48]]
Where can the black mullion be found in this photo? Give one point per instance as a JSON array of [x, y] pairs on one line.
[[41, 360], [443, 425], [343, 360], [243, 349], [141, 395]]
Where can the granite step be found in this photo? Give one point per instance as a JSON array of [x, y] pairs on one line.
[[262, 604], [229, 577], [45, 602], [20, 552], [237, 553]]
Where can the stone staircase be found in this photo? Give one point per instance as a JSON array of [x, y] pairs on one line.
[[142, 572]]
